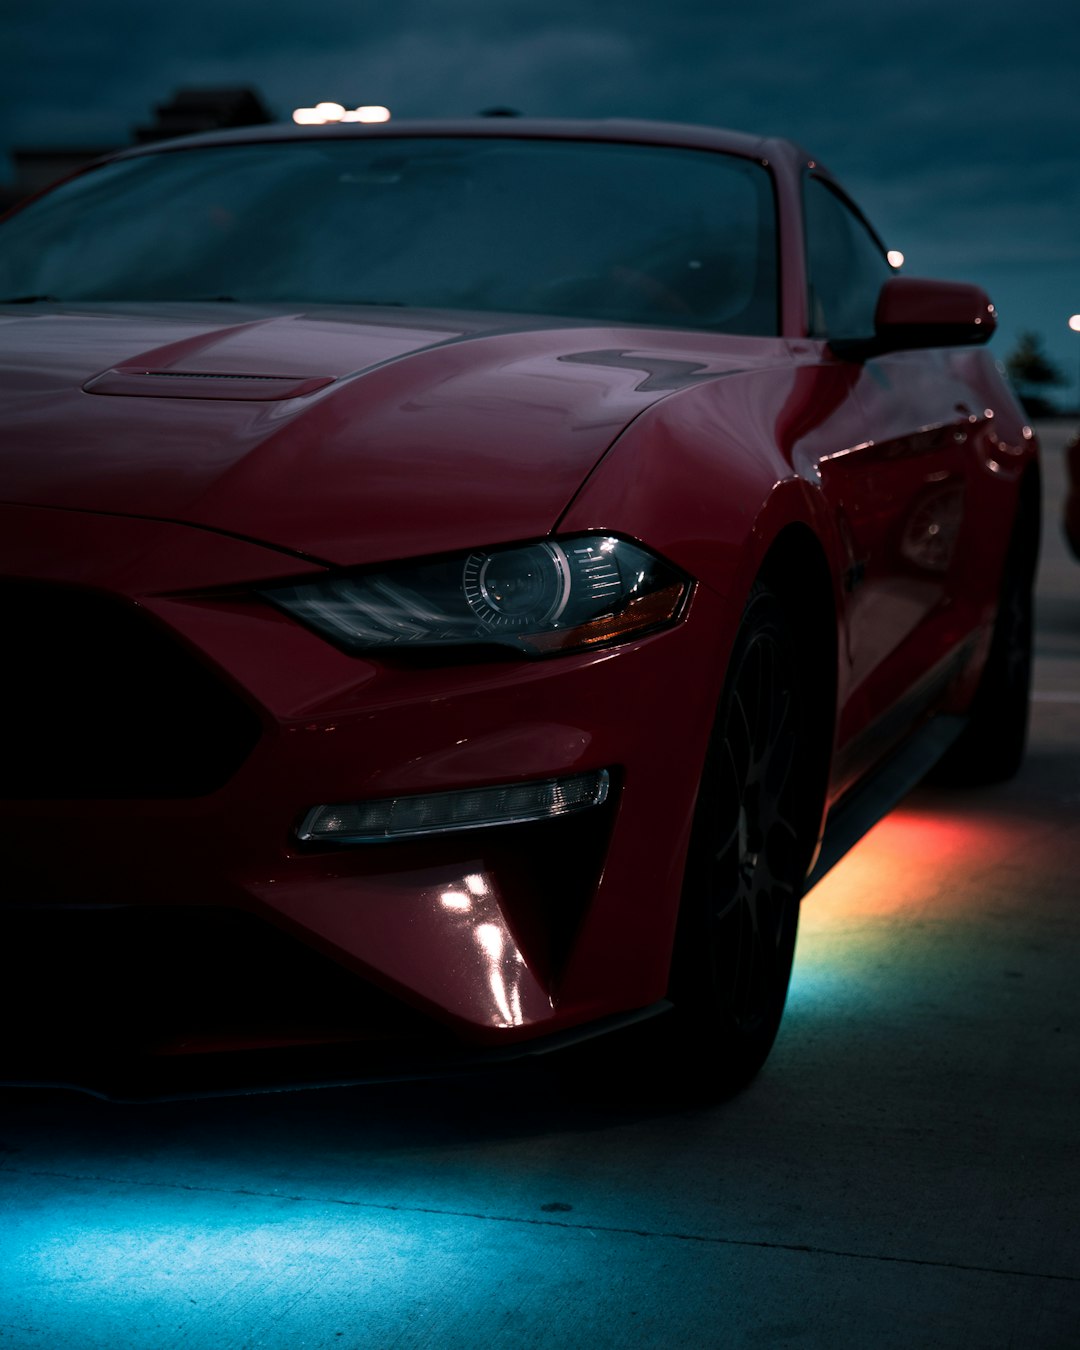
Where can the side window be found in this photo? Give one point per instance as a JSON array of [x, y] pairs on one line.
[[845, 266]]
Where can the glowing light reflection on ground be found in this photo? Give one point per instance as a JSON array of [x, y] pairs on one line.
[[935, 863]]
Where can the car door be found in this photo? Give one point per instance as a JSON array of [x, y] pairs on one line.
[[899, 495]]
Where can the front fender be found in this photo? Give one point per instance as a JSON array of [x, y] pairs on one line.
[[702, 479]]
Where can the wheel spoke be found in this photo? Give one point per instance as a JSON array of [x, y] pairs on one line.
[[763, 692], [781, 753], [729, 803], [733, 901], [740, 740], [781, 900]]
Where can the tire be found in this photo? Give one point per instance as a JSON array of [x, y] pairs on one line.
[[991, 747], [749, 853], [747, 862]]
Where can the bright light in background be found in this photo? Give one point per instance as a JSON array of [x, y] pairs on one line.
[[373, 112], [336, 112], [895, 257], [308, 117], [1074, 322]]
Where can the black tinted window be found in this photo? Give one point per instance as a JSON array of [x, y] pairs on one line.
[[592, 230], [845, 264]]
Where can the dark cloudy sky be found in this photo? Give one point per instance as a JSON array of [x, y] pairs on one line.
[[956, 125]]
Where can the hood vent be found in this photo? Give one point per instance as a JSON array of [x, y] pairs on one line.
[[141, 383]]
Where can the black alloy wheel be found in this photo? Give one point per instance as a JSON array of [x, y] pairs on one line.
[[750, 849], [749, 854]]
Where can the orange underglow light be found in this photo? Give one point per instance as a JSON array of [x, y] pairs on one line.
[[884, 925], [902, 863]]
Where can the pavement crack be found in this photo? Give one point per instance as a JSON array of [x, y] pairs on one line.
[[659, 1234]]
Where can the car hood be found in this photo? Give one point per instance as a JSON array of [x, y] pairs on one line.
[[348, 436]]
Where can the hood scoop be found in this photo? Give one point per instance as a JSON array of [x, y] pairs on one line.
[[142, 383], [243, 362]]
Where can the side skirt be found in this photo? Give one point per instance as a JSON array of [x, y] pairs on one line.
[[859, 810]]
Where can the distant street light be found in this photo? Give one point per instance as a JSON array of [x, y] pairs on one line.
[[336, 112], [371, 112]]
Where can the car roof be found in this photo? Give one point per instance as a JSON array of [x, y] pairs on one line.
[[626, 130]]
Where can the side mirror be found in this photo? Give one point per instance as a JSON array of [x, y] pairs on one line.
[[916, 312]]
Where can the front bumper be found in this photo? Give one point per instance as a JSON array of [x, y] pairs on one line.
[[568, 922]]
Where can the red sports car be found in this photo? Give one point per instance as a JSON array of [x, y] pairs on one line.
[[462, 583]]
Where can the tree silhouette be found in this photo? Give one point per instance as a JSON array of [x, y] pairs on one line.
[[1032, 371]]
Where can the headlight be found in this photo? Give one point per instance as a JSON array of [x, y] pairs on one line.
[[539, 598]]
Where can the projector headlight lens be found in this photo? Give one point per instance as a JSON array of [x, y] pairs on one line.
[[539, 598]]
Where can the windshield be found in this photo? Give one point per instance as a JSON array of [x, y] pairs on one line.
[[592, 230]]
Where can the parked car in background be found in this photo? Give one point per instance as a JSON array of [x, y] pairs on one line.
[[463, 582], [1072, 499]]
